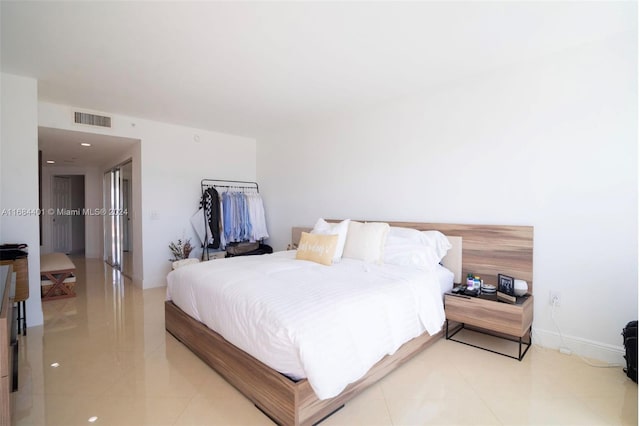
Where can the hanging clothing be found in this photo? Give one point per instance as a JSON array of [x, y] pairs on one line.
[[211, 205], [223, 240], [243, 217], [256, 217], [232, 217], [214, 217], [227, 217]]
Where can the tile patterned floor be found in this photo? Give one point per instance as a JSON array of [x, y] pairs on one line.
[[116, 362]]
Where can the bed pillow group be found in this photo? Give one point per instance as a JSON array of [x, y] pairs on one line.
[[374, 242], [355, 240]]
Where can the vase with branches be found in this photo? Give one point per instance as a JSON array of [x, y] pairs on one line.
[[181, 249]]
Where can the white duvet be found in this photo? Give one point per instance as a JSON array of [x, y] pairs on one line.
[[330, 324]]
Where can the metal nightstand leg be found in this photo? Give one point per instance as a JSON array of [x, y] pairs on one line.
[[520, 341]]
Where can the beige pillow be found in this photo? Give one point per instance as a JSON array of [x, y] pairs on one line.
[[365, 241], [317, 248]]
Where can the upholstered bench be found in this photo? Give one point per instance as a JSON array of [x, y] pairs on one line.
[[57, 276]]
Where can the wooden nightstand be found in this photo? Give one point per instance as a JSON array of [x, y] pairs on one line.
[[485, 314]]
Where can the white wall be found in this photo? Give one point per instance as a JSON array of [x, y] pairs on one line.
[[551, 143], [173, 160], [19, 176]]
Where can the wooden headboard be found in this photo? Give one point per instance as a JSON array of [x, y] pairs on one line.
[[487, 250]]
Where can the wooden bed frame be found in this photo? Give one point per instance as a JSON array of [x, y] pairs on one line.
[[486, 251]]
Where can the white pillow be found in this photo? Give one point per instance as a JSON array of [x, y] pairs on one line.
[[366, 241], [408, 254], [323, 227], [438, 242], [410, 247], [398, 235]]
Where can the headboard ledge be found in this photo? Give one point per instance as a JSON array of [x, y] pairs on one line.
[[487, 250]]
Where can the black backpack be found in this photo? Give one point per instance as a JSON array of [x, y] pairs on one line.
[[630, 337]]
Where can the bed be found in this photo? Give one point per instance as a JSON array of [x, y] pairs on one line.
[[295, 397], [57, 276]]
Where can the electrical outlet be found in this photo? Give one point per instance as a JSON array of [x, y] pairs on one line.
[[554, 298]]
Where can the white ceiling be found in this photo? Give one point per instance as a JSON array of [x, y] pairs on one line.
[[245, 68], [63, 147]]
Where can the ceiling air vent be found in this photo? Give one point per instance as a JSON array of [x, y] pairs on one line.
[[91, 119]]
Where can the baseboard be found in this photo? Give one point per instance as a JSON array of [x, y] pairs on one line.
[[153, 282], [608, 354]]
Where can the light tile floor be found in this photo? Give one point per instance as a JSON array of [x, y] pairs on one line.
[[117, 363]]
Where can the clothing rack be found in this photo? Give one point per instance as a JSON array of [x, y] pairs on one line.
[[229, 184], [233, 185]]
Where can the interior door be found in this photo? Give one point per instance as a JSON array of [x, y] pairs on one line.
[[61, 226], [118, 245], [112, 222], [127, 232]]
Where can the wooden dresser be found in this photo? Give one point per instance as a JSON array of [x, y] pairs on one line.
[[8, 343]]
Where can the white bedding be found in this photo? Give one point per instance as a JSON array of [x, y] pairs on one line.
[[445, 278], [330, 324]]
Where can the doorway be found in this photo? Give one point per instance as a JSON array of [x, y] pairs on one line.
[[72, 152], [118, 247], [68, 221]]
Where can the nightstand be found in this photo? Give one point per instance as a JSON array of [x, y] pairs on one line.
[[486, 314]]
